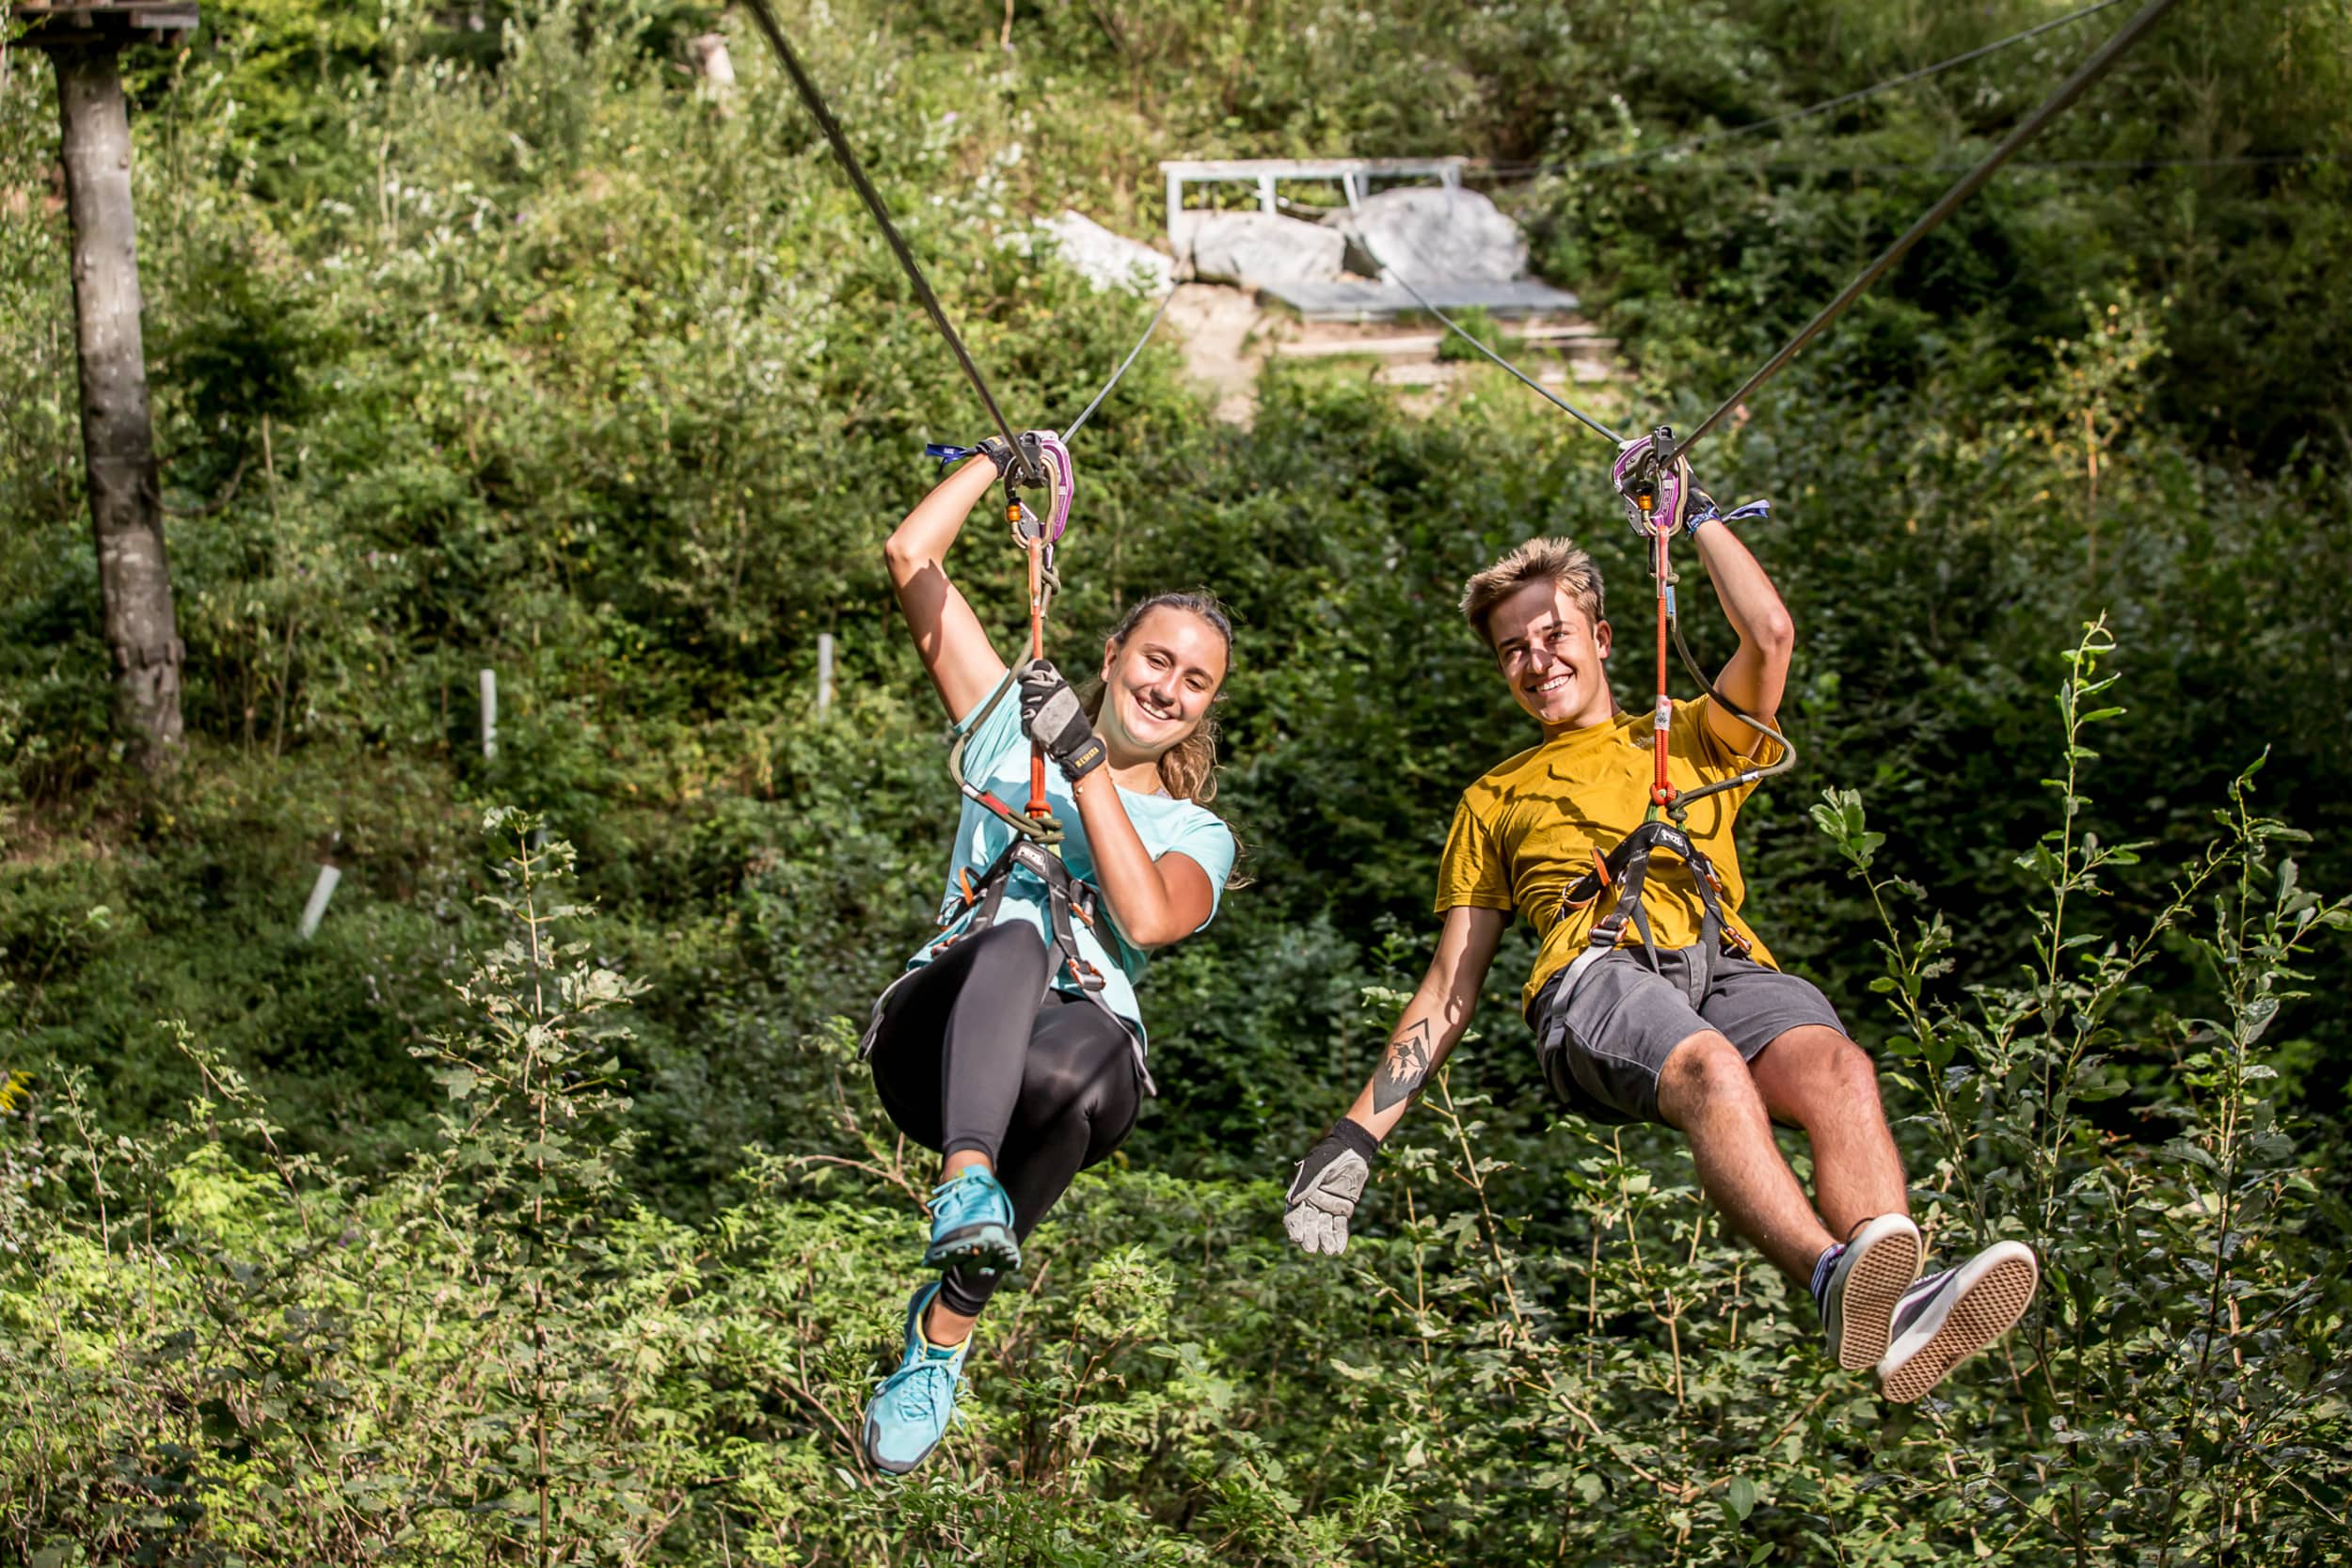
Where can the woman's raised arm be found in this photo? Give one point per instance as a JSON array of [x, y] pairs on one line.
[[955, 649]]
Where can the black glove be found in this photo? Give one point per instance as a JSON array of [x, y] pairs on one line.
[[1329, 1180], [1050, 715]]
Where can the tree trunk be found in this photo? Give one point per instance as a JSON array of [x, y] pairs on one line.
[[118, 440]]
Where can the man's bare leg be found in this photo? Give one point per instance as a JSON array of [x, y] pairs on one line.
[[1815, 1078], [1708, 1093]]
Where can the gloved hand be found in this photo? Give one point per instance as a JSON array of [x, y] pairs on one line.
[[1050, 716], [1025, 464], [1330, 1178]]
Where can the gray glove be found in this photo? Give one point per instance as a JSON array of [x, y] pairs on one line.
[[1053, 718], [1330, 1178]]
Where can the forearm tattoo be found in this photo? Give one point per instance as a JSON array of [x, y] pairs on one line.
[[1405, 1070]]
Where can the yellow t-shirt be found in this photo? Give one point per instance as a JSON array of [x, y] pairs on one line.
[[1529, 829]]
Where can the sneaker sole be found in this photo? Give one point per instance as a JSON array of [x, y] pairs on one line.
[[1874, 1287], [990, 1247], [1988, 1308]]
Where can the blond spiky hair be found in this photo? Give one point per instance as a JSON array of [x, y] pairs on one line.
[[1553, 561]]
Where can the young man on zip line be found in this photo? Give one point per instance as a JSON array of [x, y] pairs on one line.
[[1674, 1012]]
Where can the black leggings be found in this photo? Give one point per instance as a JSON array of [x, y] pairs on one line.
[[967, 1057]]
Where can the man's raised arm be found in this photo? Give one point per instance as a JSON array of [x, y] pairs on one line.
[[1757, 671], [1330, 1180]]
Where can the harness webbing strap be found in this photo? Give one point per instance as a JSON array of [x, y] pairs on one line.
[[1066, 898], [1626, 868], [1069, 903]]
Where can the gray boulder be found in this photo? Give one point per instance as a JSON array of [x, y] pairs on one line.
[[1262, 247], [1427, 231], [1108, 260]]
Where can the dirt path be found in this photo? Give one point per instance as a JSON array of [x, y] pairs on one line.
[[1226, 339]]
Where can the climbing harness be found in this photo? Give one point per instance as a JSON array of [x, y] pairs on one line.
[[973, 904], [1627, 869]]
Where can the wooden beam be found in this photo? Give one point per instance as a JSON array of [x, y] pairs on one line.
[[102, 23]]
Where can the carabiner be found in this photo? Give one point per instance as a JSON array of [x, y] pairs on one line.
[[1654, 481]]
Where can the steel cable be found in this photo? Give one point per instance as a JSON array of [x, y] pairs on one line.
[[2025, 130], [1614, 160], [1088, 411], [1562, 404], [832, 128]]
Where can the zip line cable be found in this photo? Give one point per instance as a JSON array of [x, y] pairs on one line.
[[1834, 166], [1611, 160], [1563, 405], [2025, 130], [1169, 299], [816, 102]]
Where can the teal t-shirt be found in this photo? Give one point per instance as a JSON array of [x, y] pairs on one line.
[[996, 759]]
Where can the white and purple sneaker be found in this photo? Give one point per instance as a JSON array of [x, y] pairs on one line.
[[1866, 1285], [1948, 1317]]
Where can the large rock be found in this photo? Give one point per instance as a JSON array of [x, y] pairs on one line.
[[1111, 261], [1263, 247], [1429, 231]]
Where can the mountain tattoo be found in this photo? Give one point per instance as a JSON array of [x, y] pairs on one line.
[[1405, 1070]]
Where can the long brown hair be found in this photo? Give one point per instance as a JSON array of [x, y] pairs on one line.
[[1187, 769]]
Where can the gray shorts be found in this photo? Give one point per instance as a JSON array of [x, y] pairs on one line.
[[1603, 1050]]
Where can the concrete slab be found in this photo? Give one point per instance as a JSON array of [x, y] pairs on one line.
[[1364, 302]]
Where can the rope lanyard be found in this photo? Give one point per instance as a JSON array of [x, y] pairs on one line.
[[1662, 500]]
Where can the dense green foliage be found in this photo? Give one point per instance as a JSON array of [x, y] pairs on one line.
[[507, 348]]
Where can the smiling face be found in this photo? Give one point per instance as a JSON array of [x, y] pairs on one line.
[[1158, 682], [1551, 652]]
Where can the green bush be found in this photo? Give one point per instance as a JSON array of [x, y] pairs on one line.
[[1540, 1345]]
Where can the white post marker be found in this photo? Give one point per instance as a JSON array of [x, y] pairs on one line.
[[489, 715], [824, 673], [320, 891]]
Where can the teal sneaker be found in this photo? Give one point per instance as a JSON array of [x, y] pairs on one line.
[[972, 1223], [910, 1412]]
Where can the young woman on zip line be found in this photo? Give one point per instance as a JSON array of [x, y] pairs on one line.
[[1012, 1044], [1650, 998]]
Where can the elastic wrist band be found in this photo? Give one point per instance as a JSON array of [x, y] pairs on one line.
[[1356, 1137]]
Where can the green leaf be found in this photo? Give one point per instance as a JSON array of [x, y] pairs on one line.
[[1739, 1499]]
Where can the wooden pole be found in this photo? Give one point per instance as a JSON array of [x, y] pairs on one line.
[[118, 436], [824, 673]]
